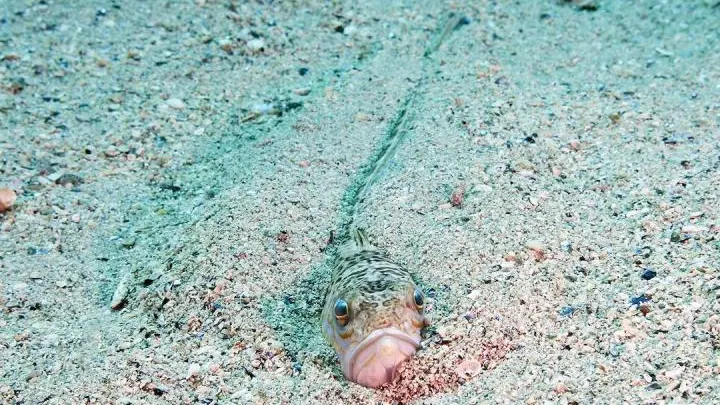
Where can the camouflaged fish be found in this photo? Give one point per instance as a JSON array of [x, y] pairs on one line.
[[373, 313]]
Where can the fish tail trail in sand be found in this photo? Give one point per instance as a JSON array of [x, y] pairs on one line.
[[374, 312], [396, 132]]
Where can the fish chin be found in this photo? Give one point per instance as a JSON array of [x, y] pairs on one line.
[[375, 360]]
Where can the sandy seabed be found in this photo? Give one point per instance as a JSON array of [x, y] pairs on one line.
[[179, 168]]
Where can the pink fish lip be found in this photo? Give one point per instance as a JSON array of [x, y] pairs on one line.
[[351, 370]]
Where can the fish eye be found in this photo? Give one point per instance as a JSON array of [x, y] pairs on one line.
[[419, 299], [341, 312]]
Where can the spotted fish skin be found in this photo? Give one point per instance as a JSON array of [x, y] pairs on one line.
[[373, 312]]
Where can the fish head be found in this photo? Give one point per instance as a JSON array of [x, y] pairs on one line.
[[373, 332]]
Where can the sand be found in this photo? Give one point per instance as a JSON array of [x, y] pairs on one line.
[[180, 166]]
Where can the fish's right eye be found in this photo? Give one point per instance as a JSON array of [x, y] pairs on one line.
[[419, 299], [341, 312]]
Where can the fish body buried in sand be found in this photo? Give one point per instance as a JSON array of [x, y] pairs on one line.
[[373, 313]]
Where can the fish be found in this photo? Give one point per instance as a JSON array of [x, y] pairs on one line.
[[374, 312]]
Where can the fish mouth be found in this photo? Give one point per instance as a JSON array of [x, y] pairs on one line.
[[374, 361]]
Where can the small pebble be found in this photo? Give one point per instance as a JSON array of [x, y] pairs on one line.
[[587, 5], [226, 45], [133, 54], [693, 229], [175, 104], [535, 246], [256, 45], [648, 274], [37, 251], [475, 295], [566, 311], [639, 300], [33, 374], [68, 178], [120, 294], [526, 173], [7, 199], [362, 117], [458, 196], [124, 346], [11, 57], [469, 368], [302, 91], [675, 374], [54, 176], [193, 371]]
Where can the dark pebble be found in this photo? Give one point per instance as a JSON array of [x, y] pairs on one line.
[[17, 85], [648, 274], [588, 6], [69, 178], [677, 237], [653, 386], [169, 187], [303, 71], [639, 300], [644, 251], [292, 105], [37, 251], [566, 311]]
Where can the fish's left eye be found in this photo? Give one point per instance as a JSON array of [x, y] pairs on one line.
[[341, 312], [419, 299]]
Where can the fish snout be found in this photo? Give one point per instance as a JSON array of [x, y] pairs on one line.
[[375, 361]]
